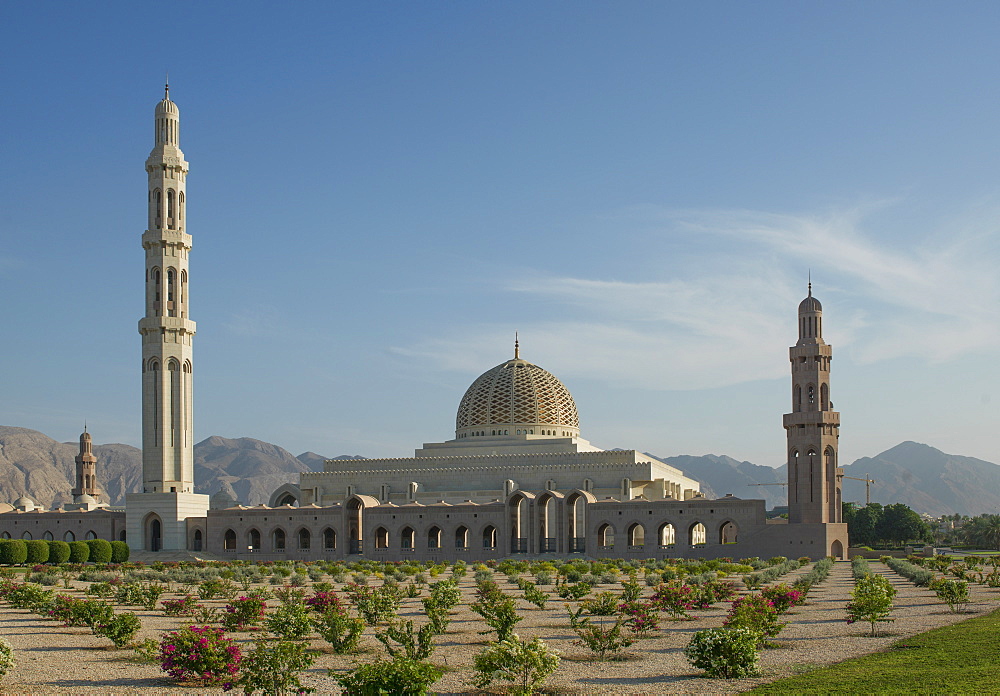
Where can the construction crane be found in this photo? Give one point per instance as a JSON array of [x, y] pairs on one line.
[[869, 482], [767, 484]]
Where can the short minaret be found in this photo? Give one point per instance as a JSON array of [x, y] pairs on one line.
[[167, 332], [86, 470], [813, 427]]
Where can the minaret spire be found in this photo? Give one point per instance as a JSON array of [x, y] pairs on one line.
[[517, 347]]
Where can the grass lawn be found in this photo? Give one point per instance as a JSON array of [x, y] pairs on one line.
[[963, 658]]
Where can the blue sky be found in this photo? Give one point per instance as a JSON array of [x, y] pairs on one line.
[[382, 193]]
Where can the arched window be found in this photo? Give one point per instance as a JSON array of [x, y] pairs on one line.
[[26, 535], [278, 540], [171, 281], [728, 532], [793, 465], [47, 536], [180, 210], [813, 463], [490, 537], [5, 535], [253, 540], [434, 538], [197, 541], [696, 534], [69, 536], [606, 536], [329, 539], [305, 539], [381, 538], [406, 538], [171, 222], [811, 394], [462, 538], [798, 397], [229, 540], [157, 208], [824, 397], [90, 535], [636, 536], [666, 535]]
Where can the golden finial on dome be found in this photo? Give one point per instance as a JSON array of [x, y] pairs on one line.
[[517, 347]]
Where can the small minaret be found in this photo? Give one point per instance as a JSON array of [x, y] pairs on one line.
[[813, 427], [86, 470]]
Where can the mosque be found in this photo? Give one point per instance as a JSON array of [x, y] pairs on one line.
[[517, 478]]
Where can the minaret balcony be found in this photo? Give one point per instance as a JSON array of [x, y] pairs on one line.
[[155, 238], [792, 420], [155, 324], [808, 350]]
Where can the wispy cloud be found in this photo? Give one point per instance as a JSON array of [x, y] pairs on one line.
[[723, 313], [259, 321]]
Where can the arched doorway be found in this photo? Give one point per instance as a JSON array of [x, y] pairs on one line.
[[253, 540], [520, 523], [354, 511], [696, 534], [490, 537], [837, 550], [606, 537], [728, 532], [636, 536], [576, 522], [229, 540], [666, 535], [196, 542], [548, 535], [154, 533]]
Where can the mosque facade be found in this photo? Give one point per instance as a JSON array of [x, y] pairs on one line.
[[517, 478]]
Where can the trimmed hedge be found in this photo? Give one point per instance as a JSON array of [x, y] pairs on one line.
[[38, 551], [921, 577], [79, 552], [100, 550], [13, 552], [58, 552], [119, 552]]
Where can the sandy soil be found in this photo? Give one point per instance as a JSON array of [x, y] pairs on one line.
[[52, 659]]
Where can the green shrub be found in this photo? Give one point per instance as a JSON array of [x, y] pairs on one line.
[[120, 629], [603, 640], [100, 550], [400, 677], [921, 577], [79, 552], [954, 592], [38, 551], [375, 604], [58, 552], [525, 664], [290, 621], [13, 552], [499, 613], [28, 595], [725, 653], [7, 661], [604, 604], [871, 601], [341, 630], [119, 552], [412, 644], [274, 668], [755, 613]]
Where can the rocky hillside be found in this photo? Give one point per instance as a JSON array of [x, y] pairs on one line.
[[928, 480], [924, 478]]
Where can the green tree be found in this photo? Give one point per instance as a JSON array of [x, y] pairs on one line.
[[900, 524], [865, 523]]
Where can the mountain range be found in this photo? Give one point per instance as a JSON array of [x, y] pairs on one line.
[[927, 479]]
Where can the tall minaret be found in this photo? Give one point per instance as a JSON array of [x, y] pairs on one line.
[[813, 427], [156, 516], [167, 438], [86, 470]]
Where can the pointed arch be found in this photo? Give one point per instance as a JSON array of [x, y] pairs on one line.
[[489, 537], [91, 534], [696, 534], [286, 494], [407, 538], [606, 536], [666, 535], [229, 540], [69, 536], [636, 535], [329, 539], [728, 532], [434, 537], [381, 538], [304, 537], [253, 539], [462, 537], [278, 540]]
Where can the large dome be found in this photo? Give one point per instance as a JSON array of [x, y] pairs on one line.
[[517, 398]]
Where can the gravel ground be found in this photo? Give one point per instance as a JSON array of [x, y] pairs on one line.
[[52, 659]]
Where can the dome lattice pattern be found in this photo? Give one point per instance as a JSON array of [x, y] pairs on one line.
[[517, 393]]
